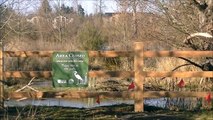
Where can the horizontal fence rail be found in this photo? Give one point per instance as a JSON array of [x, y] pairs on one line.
[[49, 53], [85, 94], [115, 53], [109, 74], [48, 74], [178, 54], [185, 74]]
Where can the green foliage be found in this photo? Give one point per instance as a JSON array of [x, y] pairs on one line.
[[91, 38]]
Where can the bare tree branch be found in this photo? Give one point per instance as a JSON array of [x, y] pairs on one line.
[[3, 2], [205, 35], [200, 5], [177, 68], [191, 62]]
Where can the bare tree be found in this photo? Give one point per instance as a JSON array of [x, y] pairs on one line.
[[192, 19], [205, 8], [131, 6]]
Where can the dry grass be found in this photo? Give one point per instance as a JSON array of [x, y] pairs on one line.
[[119, 112]]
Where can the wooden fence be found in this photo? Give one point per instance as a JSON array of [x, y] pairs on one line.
[[139, 75]]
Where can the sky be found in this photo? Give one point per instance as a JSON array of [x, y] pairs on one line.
[[28, 6], [90, 6]]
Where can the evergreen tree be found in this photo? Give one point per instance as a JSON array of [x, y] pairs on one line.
[[91, 38], [80, 10], [45, 8], [66, 9]]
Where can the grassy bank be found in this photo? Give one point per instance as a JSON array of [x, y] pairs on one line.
[[105, 113]]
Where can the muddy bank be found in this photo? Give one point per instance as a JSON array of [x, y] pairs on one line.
[[117, 112]]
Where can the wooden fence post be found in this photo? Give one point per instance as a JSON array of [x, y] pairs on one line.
[[1, 78], [139, 78]]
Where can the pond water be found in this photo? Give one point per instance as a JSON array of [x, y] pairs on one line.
[[184, 103], [80, 103], [83, 103]]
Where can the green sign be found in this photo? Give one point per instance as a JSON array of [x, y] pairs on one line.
[[70, 69]]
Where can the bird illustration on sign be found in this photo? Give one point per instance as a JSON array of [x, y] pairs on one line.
[[81, 81]]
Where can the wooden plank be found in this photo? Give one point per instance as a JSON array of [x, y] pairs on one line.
[[27, 74], [72, 94], [108, 74], [111, 53], [178, 54], [171, 94], [28, 53], [115, 53], [139, 78], [185, 74], [1, 78], [48, 74], [49, 53]]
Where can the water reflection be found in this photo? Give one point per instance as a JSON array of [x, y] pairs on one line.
[[160, 102], [78, 103], [176, 103], [83, 103]]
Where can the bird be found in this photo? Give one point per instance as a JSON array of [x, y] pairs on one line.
[[78, 77]]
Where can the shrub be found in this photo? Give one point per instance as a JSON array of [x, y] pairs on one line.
[[91, 38]]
